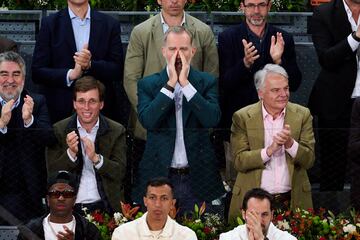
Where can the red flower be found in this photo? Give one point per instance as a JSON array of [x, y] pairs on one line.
[[322, 238], [279, 218], [207, 230], [98, 217]]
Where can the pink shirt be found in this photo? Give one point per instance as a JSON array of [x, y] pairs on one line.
[[275, 177]]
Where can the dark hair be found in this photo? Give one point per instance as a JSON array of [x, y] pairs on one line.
[[158, 182], [87, 83], [62, 177], [258, 193]]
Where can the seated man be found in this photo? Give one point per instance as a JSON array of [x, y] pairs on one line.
[[155, 223], [92, 147], [257, 211], [273, 144], [61, 222]]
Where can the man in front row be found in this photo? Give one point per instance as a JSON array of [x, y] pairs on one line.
[[257, 211], [61, 222], [92, 147], [155, 223], [273, 144], [177, 106]]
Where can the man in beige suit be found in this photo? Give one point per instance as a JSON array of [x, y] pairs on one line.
[[144, 56], [273, 144]]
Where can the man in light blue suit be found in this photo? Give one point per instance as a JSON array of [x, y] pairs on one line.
[[177, 106]]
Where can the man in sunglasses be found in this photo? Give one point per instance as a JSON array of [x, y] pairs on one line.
[[92, 147], [243, 50], [61, 222]]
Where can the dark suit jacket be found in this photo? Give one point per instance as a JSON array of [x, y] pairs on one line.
[[34, 229], [109, 142], [157, 115], [236, 83], [354, 154], [53, 57], [332, 91], [22, 162]]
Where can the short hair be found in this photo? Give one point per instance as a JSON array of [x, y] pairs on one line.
[[62, 176], [178, 30], [11, 56], [261, 75], [158, 182], [257, 193], [87, 83]]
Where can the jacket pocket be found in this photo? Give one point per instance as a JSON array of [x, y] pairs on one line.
[[236, 190]]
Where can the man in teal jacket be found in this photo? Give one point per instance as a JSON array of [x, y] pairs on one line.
[[177, 106]]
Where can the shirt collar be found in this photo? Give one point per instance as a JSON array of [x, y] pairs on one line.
[[266, 114], [17, 102], [73, 16], [166, 231], [78, 124], [163, 20]]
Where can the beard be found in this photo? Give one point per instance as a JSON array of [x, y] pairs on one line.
[[260, 19], [12, 95]]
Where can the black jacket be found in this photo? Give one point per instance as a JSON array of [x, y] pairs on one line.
[[34, 230]]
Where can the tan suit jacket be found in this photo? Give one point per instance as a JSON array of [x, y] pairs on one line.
[[144, 57], [247, 140]]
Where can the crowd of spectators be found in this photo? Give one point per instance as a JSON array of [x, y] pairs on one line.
[[181, 87]]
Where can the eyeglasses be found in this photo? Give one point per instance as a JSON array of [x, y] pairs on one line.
[[65, 194], [83, 102], [252, 6]]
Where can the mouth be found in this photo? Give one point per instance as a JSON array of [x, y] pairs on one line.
[[87, 114]]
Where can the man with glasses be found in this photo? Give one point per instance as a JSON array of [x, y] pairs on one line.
[[61, 222], [24, 131], [92, 147], [243, 50]]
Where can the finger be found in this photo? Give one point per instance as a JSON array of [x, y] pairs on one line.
[[255, 57], [245, 43], [273, 40], [86, 46]]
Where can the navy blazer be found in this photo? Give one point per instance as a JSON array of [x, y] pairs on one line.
[[236, 81], [53, 57], [22, 160], [157, 114], [332, 90]]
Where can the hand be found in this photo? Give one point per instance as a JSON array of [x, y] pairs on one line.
[[27, 109], [173, 76], [6, 113], [72, 140], [250, 53], [253, 223], [183, 76], [90, 149], [76, 72], [284, 136], [67, 235], [277, 48], [83, 58], [358, 31]]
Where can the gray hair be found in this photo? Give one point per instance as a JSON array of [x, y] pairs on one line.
[[13, 57], [260, 76], [177, 30]]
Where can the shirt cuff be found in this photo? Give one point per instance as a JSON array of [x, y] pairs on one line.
[[293, 149], [30, 123], [68, 81], [353, 43], [167, 93], [99, 165], [3, 130], [265, 158], [189, 91], [69, 155]]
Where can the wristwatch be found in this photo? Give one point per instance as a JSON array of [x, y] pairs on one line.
[[356, 38], [168, 87]]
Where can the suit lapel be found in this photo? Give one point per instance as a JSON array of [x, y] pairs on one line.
[[340, 20], [95, 31], [158, 35], [255, 132], [65, 25]]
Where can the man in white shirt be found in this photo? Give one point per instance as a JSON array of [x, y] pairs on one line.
[[92, 147], [155, 223], [257, 210]]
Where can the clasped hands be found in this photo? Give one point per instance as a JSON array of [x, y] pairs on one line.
[[27, 110], [253, 225], [178, 69], [82, 62], [72, 141], [282, 138], [276, 50]]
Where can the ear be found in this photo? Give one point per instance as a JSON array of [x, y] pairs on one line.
[[145, 201], [243, 214], [47, 200], [163, 51], [173, 203], [269, 5], [260, 94], [193, 51], [74, 104], [101, 105], [241, 7], [159, 2]]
